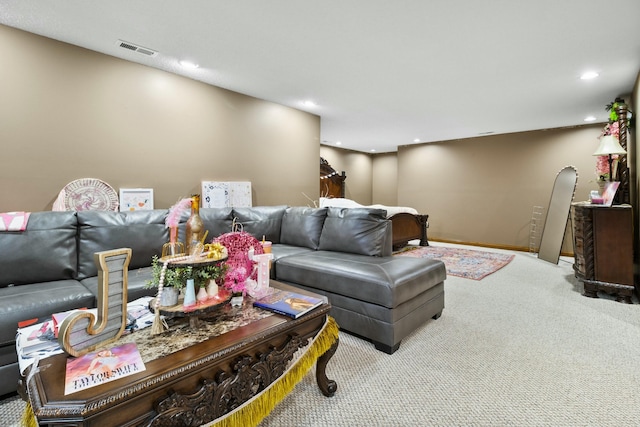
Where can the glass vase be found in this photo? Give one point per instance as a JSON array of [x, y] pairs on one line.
[[173, 247], [190, 294]]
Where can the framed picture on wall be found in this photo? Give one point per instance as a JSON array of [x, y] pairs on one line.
[[136, 199], [217, 194]]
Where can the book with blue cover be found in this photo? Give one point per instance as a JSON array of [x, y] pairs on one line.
[[288, 303]]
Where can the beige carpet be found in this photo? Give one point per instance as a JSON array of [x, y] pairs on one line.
[[524, 349]]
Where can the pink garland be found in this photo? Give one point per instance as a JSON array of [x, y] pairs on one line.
[[240, 268]]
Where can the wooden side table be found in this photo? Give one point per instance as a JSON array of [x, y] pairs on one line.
[[603, 246]]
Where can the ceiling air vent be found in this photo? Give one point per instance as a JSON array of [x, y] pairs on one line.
[[136, 48]]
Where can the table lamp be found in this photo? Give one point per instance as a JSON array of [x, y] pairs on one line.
[[609, 145]]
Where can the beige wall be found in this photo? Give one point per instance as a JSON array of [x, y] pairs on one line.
[[370, 178], [482, 190], [69, 113], [385, 179], [358, 167]]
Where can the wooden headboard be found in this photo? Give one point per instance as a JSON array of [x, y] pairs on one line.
[[331, 182]]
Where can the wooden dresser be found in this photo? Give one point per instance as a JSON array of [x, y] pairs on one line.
[[603, 247]]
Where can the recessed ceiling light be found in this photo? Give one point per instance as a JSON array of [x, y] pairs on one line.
[[589, 75], [338, 142], [590, 119], [188, 64], [416, 140], [373, 150], [309, 104]]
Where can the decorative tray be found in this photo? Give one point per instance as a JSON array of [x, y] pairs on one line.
[[199, 309], [190, 262]]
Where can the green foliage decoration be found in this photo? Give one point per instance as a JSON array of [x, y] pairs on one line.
[[176, 277]]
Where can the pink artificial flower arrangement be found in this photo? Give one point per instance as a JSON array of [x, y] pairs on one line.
[[240, 267], [602, 162], [611, 129], [602, 168]]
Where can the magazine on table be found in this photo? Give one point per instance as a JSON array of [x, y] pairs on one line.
[[38, 341], [102, 366], [38, 338], [289, 303]]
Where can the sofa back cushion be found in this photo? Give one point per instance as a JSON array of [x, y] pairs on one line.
[[362, 231], [302, 226], [261, 221], [143, 231], [44, 252], [217, 221]]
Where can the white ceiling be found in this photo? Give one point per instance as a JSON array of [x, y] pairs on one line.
[[382, 73]]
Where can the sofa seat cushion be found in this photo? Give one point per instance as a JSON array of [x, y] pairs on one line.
[[8, 356], [384, 281], [280, 251], [37, 301], [378, 312], [45, 251], [137, 287]]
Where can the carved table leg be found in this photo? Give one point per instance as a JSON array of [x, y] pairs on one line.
[[590, 290], [623, 298], [327, 387]]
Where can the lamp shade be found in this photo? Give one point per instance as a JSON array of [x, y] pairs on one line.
[[609, 145]]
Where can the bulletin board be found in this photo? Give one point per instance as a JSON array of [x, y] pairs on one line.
[[221, 194]]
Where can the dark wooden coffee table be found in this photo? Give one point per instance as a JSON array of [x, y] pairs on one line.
[[191, 386]]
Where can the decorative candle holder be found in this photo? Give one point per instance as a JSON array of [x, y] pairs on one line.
[[173, 247]]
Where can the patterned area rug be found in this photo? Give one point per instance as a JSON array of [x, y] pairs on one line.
[[467, 263]]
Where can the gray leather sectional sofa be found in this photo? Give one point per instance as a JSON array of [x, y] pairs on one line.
[[342, 253]]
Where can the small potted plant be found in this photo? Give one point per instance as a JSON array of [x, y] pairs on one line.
[[175, 278], [174, 281]]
